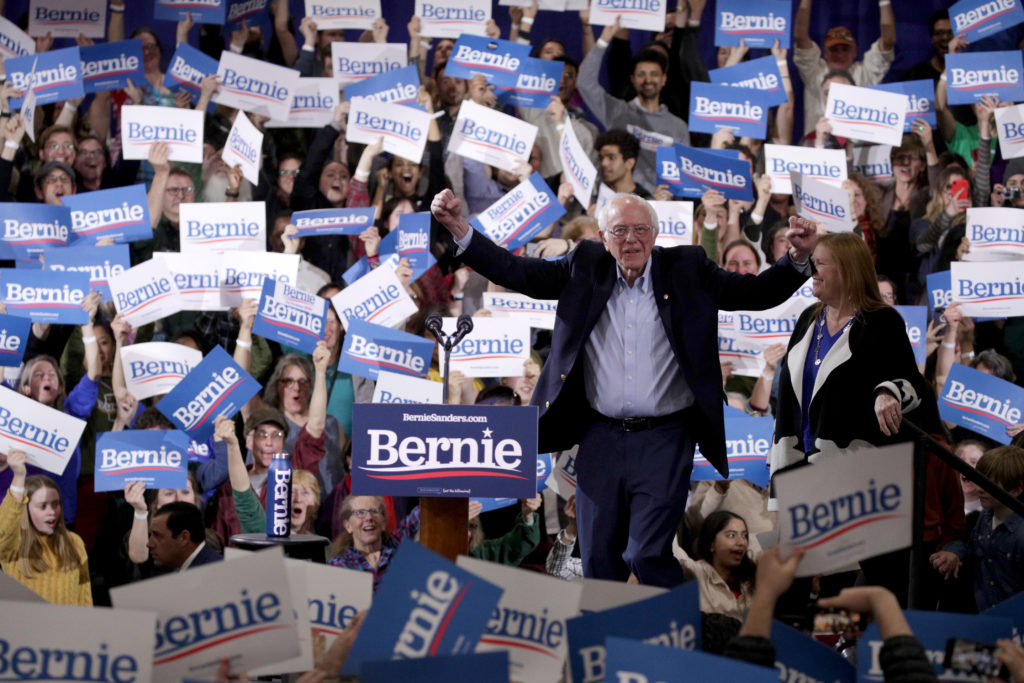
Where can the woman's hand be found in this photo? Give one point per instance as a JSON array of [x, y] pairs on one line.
[[135, 495], [18, 462], [946, 563], [289, 240], [224, 430], [247, 313], [321, 356], [127, 406], [888, 412], [371, 240]]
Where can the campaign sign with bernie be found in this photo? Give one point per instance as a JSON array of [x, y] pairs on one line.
[[159, 458], [120, 214], [290, 316], [369, 349], [13, 335], [982, 403]]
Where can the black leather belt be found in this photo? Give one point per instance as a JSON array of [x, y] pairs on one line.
[[639, 424]]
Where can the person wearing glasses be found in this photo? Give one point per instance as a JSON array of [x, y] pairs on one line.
[[172, 186], [56, 144], [364, 544], [633, 374], [54, 180]]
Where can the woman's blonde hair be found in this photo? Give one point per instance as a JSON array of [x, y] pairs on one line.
[[937, 204], [30, 553], [858, 282], [308, 479], [343, 540], [25, 378], [270, 393]]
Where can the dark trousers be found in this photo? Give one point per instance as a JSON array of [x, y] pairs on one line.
[[631, 492]]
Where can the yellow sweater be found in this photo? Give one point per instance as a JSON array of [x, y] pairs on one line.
[[59, 587]]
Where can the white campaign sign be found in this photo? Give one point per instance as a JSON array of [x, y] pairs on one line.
[[497, 347], [822, 203], [242, 274], [12, 590], [154, 368], [995, 234], [312, 106], [332, 14], [145, 293], [181, 129], [577, 166], [847, 508], [197, 275], [534, 654], [826, 165], [675, 223], [534, 312], [761, 329], [992, 289], [404, 129], [255, 86], [241, 609], [13, 41], [222, 226], [874, 162], [378, 297], [491, 137], [396, 387], [62, 19], [599, 594], [562, 479], [648, 15], [866, 114], [244, 148], [47, 436], [452, 18], [355, 62], [1010, 129]]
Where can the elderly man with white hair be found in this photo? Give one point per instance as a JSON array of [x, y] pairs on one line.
[[633, 374]]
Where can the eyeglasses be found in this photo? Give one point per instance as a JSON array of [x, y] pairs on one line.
[[263, 435], [90, 152], [887, 296], [639, 231], [149, 47], [180, 190], [902, 159], [56, 178], [289, 382], [294, 171], [363, 513], [56, 146]]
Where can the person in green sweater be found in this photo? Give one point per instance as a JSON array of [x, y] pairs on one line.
[[514, 546]]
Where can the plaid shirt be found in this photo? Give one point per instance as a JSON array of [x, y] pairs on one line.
[[350, 558]]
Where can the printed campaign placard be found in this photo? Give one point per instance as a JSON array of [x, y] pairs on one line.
[[256, 622], [916, 318], [197, 276], [14, 331], [822, 203], [747, 442], [537, 81], [57, 76], [496, 60], [425, 606], [671, 619], [396, 387], [45, 297], [866, 114], [747, 358], [412, 241], [973, 75], [497, 347], [529, 621], [826, 165], [524, 211], [217, 386], [157, 457], [983, 18], [982, 403], [244, 148], [843, 510], [491, 137], [599, 595], [65, 643], [562, 479], [633, 660], [701, 170], [940, 293], [47, 436], [1010, 129], [252, 12], [920, 101], [202, 11], [291, 316], [667, 169], [255, 86], [120, 214], [995, 234], [13, 41], [452, 18], [333, 221], [744, 111], [242, 274], [332, 14], [800, 657], [188, 68], [543, 472], [993, 288], [398, 86], [354, 62], [12, 590], [109, 66], [181, 129], [333, 598], [312, 106], [62, 20], [761, 329], [675, 223], [30, 228], [369, 349], [145, 293], [404, 129], [100, 263], [579, 170], [378, 298], [758, 23], [761, 74], [873, 161], [488, 667], [154, 368], [1013, 609], [648, 15], [534, 312]]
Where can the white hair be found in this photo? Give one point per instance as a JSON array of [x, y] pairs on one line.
[[604, 215]]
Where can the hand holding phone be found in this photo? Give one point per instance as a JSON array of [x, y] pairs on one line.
[[974, 658]]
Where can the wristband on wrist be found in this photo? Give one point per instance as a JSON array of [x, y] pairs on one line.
[[566, 538], [527, 21], [116, 8], [948, 345], [5, 114], [768, 376], [362, 176], [308, 48], [373, 259], [141, 515], [425, 43], [229, 193], [601, 42], [693, 22], [237, 49], [16, 489], [756, 217], [967, 356], [942, 76], [89, 340], [884, 3], [780, 62], [244, 344], [560, 127], [11, 143], [458, 297], [711, 226]]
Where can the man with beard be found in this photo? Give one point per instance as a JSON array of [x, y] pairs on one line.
[[941, 31]]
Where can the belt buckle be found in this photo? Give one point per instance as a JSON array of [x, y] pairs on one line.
[[634, 424]]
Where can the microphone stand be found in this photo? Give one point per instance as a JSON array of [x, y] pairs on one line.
[[448, 342]]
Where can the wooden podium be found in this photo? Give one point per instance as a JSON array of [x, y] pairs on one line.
[[444, 526]]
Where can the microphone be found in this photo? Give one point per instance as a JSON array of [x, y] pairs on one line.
[[433, 323], [463, 327]]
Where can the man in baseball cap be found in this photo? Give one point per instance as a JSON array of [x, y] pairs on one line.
[[54, 180]]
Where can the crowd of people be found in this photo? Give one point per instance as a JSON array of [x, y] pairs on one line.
[[630, 380]]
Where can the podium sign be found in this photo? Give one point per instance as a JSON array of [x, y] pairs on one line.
[[444, 451]]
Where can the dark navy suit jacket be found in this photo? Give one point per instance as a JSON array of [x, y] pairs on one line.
[[206, 556]]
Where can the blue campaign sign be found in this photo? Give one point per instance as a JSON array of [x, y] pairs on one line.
[[543, 470], [638, 662], [920, 101], [157, 457], [744, 111], [120, 214], [447, 451], [252, 12], [370, 348], [108, 66], [983, 18], [702, 170], [932, 630], [940, 291], [536, 83], [1012, 609], [982, 403], [798, 657], [516, 218], [333, 221], [100, 263], [30, 228], [670, 619], [203, 11], [14, 332], [58, 76], [667, 160], [398, 86], [747, 442], [973, 75], [758, 23], [412, 241], [290, 316], [761, 74], [497, 60], [426, 606], [486, 667], [217, 386], [45, 297], [916, 318], [189, 67]]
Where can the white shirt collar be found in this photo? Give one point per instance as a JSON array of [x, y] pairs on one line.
[[191, 558], [643, 282]]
